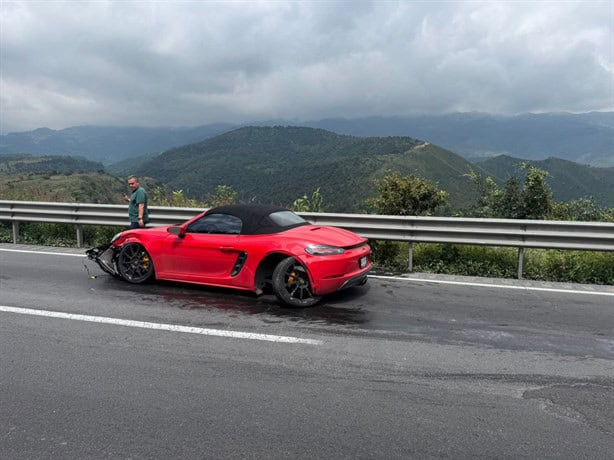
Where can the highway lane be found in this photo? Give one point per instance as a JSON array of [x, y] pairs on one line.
[[397, 368]]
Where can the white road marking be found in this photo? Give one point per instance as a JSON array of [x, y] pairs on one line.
[[400, 278], [25, 251], [499, 286], [159, 326]]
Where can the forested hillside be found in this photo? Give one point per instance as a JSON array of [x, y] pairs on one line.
[[16, 164], [92, 187], [279, 164]]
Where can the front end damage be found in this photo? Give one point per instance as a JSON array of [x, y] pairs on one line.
[[105, 256]]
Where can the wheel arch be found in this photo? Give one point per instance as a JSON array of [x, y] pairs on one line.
[[264, 272], [147, 245], [117, 261]]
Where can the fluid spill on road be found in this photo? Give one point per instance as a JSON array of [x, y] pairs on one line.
[[230, 302]]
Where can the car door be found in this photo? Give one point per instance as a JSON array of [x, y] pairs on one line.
[[207, 251]]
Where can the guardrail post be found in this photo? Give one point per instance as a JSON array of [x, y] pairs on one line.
[[15, 232], [520, 262], [410, 265], [79, 235]]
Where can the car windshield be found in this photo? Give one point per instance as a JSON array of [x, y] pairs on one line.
[[286, 218]]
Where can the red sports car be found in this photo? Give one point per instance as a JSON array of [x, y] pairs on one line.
[[254, 248]]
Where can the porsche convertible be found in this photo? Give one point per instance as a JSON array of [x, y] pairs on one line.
[[249, 247]]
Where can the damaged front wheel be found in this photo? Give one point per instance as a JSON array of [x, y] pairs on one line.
[[134, 264]]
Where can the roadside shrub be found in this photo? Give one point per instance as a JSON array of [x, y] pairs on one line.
[[466, 260], [60, 235], [569, 266], [6, 232], [389, 255], [446, 259], [94, 235], [539, 264]]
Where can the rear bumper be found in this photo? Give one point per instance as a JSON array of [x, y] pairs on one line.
[[356, 281], [326, 279], [333, 273], [330, 285]]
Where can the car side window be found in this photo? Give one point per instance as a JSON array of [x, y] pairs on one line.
[[216, 223]]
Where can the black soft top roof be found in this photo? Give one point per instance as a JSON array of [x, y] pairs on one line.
[[255, 218]]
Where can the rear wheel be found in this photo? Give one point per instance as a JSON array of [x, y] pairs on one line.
[[134, 264], [291, 284]]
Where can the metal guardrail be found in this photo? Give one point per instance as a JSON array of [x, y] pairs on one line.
[[521, 234], [81, 214]]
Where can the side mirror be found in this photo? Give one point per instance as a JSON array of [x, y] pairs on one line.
[[176, 230]]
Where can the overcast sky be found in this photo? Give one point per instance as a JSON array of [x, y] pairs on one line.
[[192, 63]]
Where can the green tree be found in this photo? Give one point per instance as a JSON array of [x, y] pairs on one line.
[[582, 209], [404, 196], [407, 196], [223, 195], [532, 200], [176, 198], [509, 202], [305, 204], [537, 193], [488, 195]]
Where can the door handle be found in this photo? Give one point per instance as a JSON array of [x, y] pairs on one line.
[[227, 248]]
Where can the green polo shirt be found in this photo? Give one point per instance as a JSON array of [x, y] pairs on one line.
[[138, 196]]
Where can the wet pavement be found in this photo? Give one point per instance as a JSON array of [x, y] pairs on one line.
[[460, 367]]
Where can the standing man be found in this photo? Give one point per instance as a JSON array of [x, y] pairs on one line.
[[137, 207]]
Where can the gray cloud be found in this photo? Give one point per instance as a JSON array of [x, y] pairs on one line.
[[191, 63]]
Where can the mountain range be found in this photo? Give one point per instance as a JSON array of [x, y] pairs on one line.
[[586, 138], [278, 164], [105, 144], [281, 163]]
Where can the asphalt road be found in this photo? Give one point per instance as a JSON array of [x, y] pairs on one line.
[[421, 367]]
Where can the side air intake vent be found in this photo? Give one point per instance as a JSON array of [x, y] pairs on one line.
[[239, 264]]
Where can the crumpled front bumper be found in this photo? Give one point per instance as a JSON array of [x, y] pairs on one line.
[[104, 256]]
